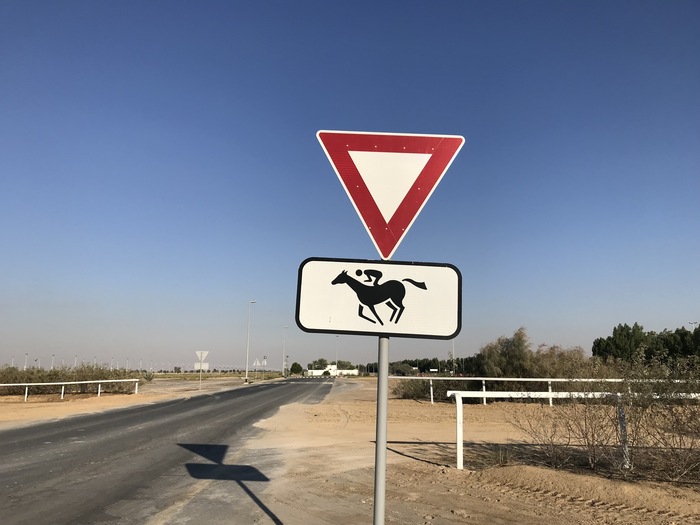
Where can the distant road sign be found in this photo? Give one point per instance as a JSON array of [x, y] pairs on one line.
[[202, 355], [389, 177], [401, 299]]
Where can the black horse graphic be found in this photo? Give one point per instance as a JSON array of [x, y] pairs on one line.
[[390, 292]]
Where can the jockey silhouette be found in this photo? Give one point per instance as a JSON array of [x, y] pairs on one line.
[[370, 274]]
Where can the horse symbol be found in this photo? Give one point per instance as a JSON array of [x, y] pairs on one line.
[[391, 293]]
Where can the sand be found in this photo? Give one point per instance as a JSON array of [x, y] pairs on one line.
[[326, 474]]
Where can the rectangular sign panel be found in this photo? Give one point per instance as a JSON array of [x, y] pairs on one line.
[[384, 298]]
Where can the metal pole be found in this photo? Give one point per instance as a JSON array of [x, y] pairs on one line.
[[200, 370], [284, 351], [247, 345], [626, 464], [382, 418]]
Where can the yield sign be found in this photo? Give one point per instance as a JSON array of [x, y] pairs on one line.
[[389, 177], [202, 355]]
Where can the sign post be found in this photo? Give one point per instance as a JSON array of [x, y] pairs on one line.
[[389, 177], [201, 356]]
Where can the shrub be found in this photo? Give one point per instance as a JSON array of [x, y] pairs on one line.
[[68, 374]]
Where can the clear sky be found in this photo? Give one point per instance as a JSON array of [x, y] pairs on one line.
[[159, 169]]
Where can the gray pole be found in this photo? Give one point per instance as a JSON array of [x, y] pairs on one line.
[[382, 418], [200, 370], [284, 351], [247, 345]]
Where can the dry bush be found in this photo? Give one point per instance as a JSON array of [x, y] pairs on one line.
[[67, 374], [549, 433], [411, 389], [588, 422], [673, 441]]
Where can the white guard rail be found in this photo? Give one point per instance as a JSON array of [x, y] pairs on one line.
[[549, 394], [484, 394], [64, 383], [459, 395]]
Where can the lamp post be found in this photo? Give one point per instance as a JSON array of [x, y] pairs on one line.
[[284, 347], [247, 345], [691, 323]]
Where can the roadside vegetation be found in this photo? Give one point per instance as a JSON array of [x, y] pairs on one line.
[[645, 428], [80, 373]]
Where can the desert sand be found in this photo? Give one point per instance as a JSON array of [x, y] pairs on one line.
[[326, 468]]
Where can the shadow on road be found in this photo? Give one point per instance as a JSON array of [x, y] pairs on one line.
[[220, 472]]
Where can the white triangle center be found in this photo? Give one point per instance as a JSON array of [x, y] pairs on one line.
[[389, 176]]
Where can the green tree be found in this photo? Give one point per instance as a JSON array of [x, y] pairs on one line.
[[401, 369], [555, 361], [626, 342], [295, 369], [507, 357], [318, 364], [345, 365]]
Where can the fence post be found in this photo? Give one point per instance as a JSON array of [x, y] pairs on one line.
[[63, 391], [26, 393], [431, 392], [483, 388], [136, 387], [549, 384], [460, 432], [99, 389], [623, 433]]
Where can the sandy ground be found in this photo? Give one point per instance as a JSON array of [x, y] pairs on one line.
[[326, 468]]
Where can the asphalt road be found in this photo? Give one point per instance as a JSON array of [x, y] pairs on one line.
[[180, 461]]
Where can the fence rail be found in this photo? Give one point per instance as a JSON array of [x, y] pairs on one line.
[[63, 384], [550, 394]]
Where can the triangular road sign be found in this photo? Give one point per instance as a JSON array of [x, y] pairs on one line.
[[202, 355], [389, 177]]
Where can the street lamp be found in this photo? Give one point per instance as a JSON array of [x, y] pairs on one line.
[[691, 323], [247, 345], [284, 347]]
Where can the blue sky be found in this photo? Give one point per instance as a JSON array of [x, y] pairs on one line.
[[160, 169]]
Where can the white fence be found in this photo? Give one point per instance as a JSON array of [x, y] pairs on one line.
[[64, 383], [550, 394]]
